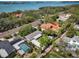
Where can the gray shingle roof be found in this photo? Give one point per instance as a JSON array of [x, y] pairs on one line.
[[6, 45], [15, 41], [32, 35], [36, 23]]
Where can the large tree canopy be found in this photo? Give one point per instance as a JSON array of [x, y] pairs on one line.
[[71, 31], [27, 29], [44, 40]]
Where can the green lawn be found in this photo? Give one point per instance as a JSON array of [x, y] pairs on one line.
[[44, 40], [53, 54], [60, 54], [77, 33], [63, 54]]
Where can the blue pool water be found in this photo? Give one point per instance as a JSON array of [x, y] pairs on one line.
[[24, 47], [31, 5]]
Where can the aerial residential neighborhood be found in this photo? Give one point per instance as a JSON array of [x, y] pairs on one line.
[[46, 32]]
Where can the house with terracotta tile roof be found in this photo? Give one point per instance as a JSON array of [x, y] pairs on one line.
[[18, 15], [52, 26]]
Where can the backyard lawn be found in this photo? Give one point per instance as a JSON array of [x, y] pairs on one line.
[[77, 33], [53, 54]]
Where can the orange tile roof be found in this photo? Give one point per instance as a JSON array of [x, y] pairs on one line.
[[52, 26], [18, 15]]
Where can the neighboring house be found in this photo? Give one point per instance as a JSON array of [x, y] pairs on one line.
[[18, 15], [52, 26], [37, 23], [20, 46], [6, 49], [33, 36], [63, 16], [72, 42]]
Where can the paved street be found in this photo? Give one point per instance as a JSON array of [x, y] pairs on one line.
[[14, 30], [46, 51]]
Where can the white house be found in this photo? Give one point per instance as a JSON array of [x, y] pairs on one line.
[[20, 46], [16, 45], [63, 16], [33, 37], [72, 42]]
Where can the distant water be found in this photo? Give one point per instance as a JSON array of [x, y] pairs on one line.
[[31, 5]]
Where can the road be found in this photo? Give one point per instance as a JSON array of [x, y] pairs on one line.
[[63, 35], [9, 32], [47, 50], [14, 30]]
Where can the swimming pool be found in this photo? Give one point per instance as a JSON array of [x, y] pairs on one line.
[[24, 47]]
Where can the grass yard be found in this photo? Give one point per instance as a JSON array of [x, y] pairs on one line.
[[77, 33], [53, 54]]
